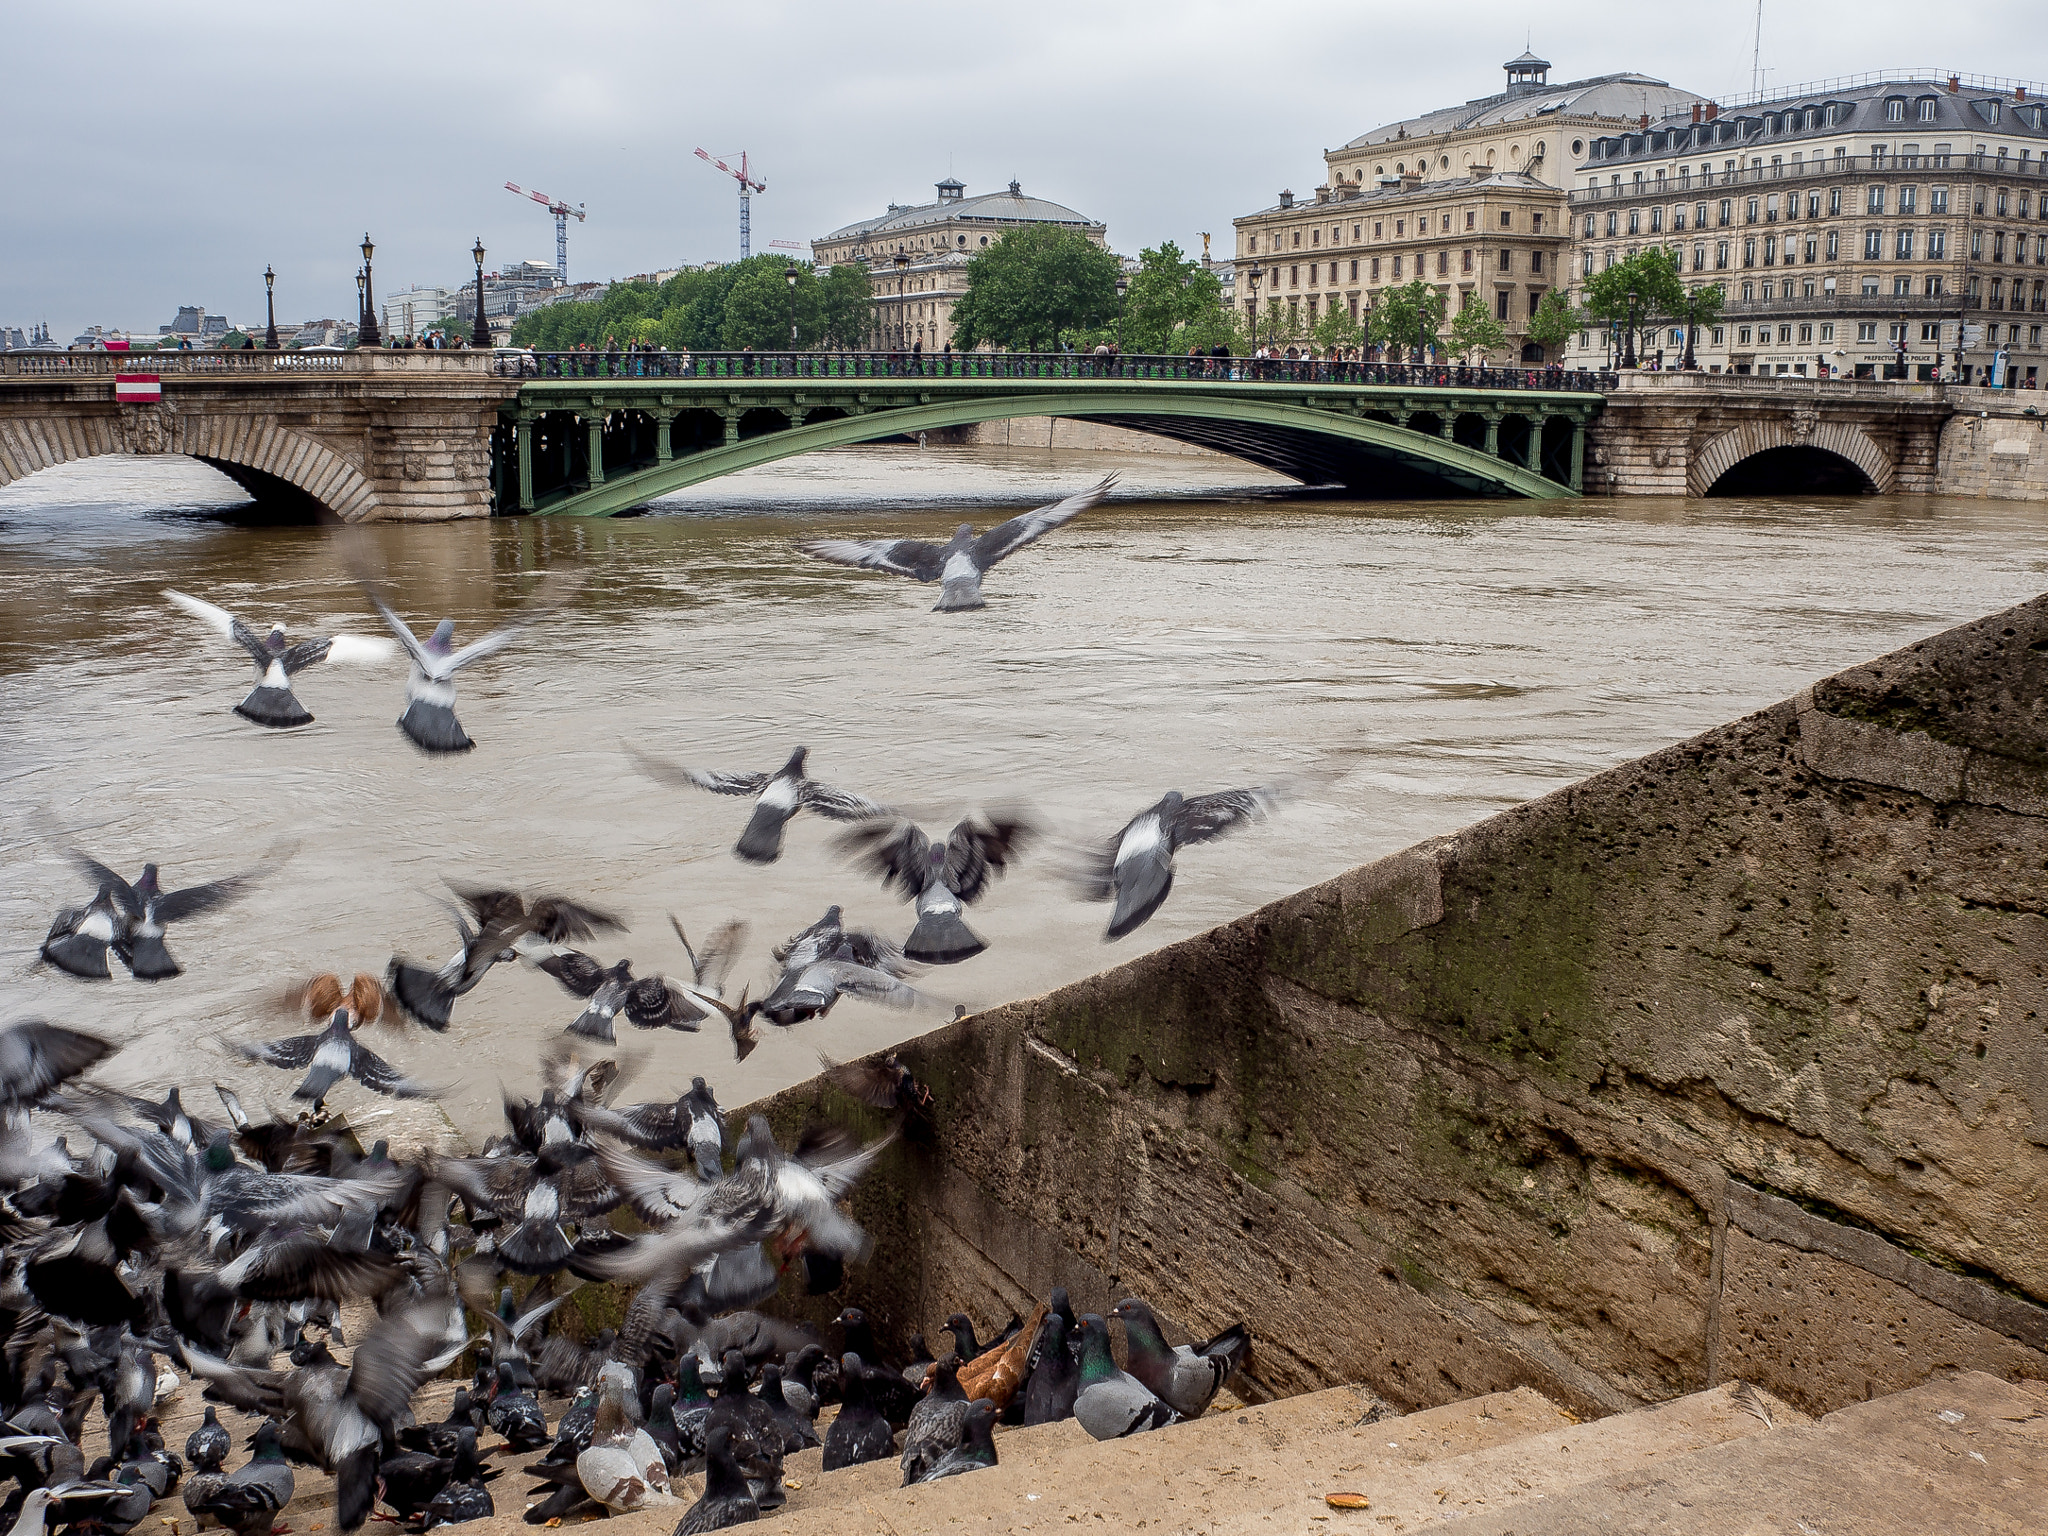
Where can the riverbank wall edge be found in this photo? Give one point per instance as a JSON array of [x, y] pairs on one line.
[[1730, 1062]]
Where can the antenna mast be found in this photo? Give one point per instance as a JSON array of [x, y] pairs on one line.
[[1756, 56]]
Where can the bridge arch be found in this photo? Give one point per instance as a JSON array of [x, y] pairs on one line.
[[1802, 445], [264, 457], [1319, 446]]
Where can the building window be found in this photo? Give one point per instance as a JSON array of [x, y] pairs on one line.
[[1720, 255], [1998, 246], [1834, 202], [1909, 198], [1827, 330], [1926, 109], [1834, 245], [1806, 333], [1873, 244], [1749, 293], [1589, 224], [1468, 260], [1720, 335], [1678, 217], [1742, 337], [1727, 211], [1770, 250], [1699, 256], [1501, 305], [1699, 215], [1934, 287], [1297, 238], [1895, 110], [2001, 198], [1315, 237], [1902, 248], [1397, 266], [1443, 263], [1749, 251], [1750, 211], [1354, 271], [1867, 331], [1613, 218], [1535, 261], [1902, 287], [1931, 331], [1378, 230], [1784, 335], [1507, 262]]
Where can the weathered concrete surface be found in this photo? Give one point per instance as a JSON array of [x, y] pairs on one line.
[[1993, 447], [1518, 1107]]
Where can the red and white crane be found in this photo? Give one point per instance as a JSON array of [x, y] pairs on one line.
[[563, 214], [747, 185]]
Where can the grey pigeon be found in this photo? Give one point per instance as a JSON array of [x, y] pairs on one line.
[[144, 909], [1134, 869], [1113, 1403], [1185, 1377], [939, 877], [960, 563], [271, 702], [429, 718], [727, 1500], [777, 797], [249, 1500], [936, 1421], [36, 1059], [976, 1450], [328, 1057]]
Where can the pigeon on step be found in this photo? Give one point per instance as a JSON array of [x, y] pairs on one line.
[[936, 1421], [777, 797], [271, 702], [960, 563], [248, 1502], [1055, 1378], [1185, 1377], [859, 1433], [1113, 1403], [939, 877], [1134, 869], [976, 1450], [727, 1500]]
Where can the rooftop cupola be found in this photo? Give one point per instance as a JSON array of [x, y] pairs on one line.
[[1528, 73], [951, 191]]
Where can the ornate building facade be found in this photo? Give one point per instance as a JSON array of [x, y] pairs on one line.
[[916, 257], [1857, 226], [1470, 198]]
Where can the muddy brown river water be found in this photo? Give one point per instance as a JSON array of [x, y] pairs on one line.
[[1413, 666]]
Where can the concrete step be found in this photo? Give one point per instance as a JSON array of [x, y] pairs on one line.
[[1265, 1458], [1965, 1454]]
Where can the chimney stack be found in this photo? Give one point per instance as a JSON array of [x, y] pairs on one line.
[[1954, 84], [1713, 110], [1695, 111]]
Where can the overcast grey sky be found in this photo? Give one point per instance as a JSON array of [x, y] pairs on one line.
[[158, 154]]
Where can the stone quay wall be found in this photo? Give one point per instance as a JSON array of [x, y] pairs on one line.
[[1996, 445], [1730, 1062]]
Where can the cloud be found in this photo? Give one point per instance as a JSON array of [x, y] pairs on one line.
[[163, 154]]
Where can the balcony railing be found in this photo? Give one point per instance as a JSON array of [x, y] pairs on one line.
[[242, 363], [1816, 169]]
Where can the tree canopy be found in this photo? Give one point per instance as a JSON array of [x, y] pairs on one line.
[[1408, 317], [741, 304], [1648, 286], [1033, 287], [1555, 319], [1474, 332]]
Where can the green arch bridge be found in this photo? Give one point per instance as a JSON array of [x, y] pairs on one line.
[[590, 434]]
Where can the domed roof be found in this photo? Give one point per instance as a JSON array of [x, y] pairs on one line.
[[1007, 207]]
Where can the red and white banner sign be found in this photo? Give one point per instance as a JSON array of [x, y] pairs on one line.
[[137, 388], [116, 343]]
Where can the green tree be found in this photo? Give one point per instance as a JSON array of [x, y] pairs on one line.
[[759, 303], [1337, 328], [1033, 287], [845, 297], [1641, 289], [1555, 319], [1406, 319], [1706, 301], [1475, 331], [1174, 303]]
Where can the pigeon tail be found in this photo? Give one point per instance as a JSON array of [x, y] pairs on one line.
[[278, 708], [761, 843], [423, 996], [148, 960], [433, 727], [535, 1248], [960, 595], [941, 938], [355, 1487], [592, 1024], [1137, 901], [77, 955]]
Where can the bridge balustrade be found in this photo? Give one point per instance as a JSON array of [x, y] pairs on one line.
[[1036, 365]]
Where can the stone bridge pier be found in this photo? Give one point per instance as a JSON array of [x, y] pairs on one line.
[[355, 436], [1674, 434]]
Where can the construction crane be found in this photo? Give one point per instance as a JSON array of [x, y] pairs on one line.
[[563, 214], [747, 185]]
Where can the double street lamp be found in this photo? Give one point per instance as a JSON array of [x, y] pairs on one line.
[[789, 276], [1254, 275], [902, 324], [1628, 358], [361, 313], [369, 336], [1123, 286], [270, 307], [481, 335]]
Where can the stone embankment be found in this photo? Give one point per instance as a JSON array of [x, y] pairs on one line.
[[1996, 445], [1729, 1063]]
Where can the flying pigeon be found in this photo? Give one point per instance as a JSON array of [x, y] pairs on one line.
[[650, 1002], [809, 991], [778, 796], [939, 877], [271, 702], [429, 717], [328, 1057], [692, 1121], [140, 914], [1135, 868], [960, 564]]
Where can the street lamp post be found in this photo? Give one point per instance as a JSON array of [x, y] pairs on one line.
[[902, 329], [1123, 286], [481, 335], [1690, 362], [369, 336], [1628, 359], [789, 275], [1254, 276], [270, 307], [359, 306]]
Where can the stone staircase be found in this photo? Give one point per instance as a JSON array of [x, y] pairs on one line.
[[1964, 1453]]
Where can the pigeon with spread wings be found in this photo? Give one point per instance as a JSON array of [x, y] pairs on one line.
[[939, 877], [961, 563], [429, 717], [331, 1055], [131, 918], [278, 660], [777, 797], [1134, 869]]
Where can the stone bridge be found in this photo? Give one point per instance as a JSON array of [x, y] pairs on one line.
[[423, 435]]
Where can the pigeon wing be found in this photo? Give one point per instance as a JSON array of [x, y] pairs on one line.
[[558, 919], [905, 557], [1007, 538], [677, 776], [395, 1357], [979, 849], [658, 1195], [225, 623], [122, 892], [404, 636], [587, 1190], [655, 1002], [537, 608], [711, 963], [892, 851], [294, 1053], [838, 804], [176, 906], [872, 1082], [579, 975], [359, 648], [1209, 816], [876, 986], [379, 1076], [306, 653]]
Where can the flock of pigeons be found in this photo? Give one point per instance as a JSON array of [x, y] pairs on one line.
[[223, 1246]]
